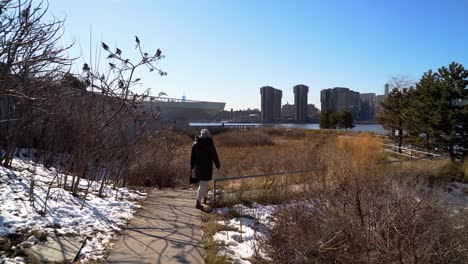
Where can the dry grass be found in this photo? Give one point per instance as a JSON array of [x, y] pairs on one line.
[[363, 213], [242, 139], [315, 150], [285, 133], [240, 158], [357, 210]]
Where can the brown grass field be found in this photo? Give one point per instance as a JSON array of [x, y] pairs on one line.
[[363, 211]]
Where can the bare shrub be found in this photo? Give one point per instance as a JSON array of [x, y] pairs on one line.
[[388, 221], [361, 214], [161, 163], [285, 133]]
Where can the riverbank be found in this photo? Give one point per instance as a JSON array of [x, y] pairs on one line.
[[364, 127]]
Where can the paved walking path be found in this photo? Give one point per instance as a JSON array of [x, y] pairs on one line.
[[166, 229]]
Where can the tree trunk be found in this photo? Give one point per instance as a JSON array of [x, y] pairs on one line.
[[452, 155], [400, 136], [400, 143]]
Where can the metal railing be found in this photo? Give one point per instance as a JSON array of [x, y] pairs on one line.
[[215, 180]]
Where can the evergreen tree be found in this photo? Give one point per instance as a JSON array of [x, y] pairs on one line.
[[392, 117], [331, 120], [325, 119], [337, 120], [439, 109], [347, 119], [419, 113]]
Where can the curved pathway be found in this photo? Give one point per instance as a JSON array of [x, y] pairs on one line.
[[166, 229]]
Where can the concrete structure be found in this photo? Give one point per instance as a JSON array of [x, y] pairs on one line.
[[378, 106], [378, 100], [366, 112], [166, 229], [277, 104], [300, 102], [287, 111], [239, 116], [172, 109], [364, 107], [339, 98], [271, 103], [313, 112]]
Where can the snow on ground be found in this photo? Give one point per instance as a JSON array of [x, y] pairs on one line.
[[98, 218], [17, 260], [252, 227], [455, 194], [255, 221]]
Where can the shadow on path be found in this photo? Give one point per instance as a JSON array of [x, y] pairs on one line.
[[166, 229]]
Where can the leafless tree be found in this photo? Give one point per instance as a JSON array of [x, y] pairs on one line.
[[400, 82], [91, 127], [30, 58], [111, 117]]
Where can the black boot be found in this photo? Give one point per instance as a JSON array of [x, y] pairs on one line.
[[199, 206]]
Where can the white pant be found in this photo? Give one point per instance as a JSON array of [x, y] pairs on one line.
[[202, 189]]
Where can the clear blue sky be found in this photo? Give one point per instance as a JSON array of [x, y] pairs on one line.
[[226, 50]]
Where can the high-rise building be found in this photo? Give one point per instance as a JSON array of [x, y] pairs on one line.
[[366, 112], [339, 98], [326, 100], [300, 102], [378, 102], [277, 104], [271, 103]]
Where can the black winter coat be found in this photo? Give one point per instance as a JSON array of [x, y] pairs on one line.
[[202, 158]]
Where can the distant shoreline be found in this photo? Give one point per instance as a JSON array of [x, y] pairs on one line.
[[363, 127], [279, 123]]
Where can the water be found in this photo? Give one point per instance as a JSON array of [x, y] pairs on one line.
[[376, 128]]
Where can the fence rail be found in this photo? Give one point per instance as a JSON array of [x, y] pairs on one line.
[[413, 150], [264, 175], [407, 155], [256, 176]]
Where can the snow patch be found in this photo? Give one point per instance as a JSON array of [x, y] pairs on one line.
[[255, 221], [97, 217], [243, 243], [17, 260]]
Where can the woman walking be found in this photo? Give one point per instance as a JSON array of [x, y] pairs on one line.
[[201, 163]]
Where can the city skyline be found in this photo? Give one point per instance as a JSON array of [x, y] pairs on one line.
[[224, 51], [384, 91]]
